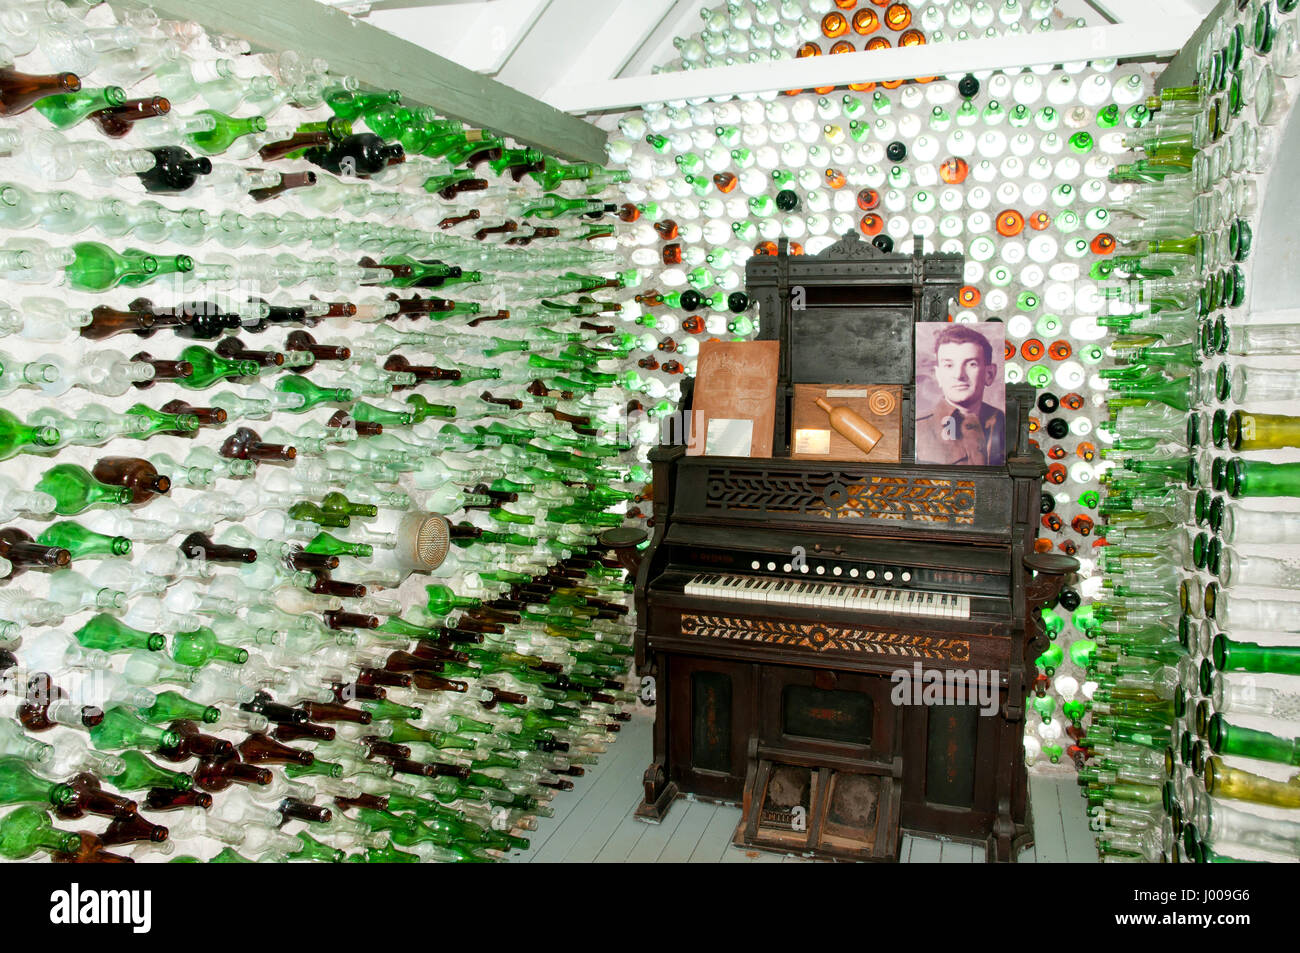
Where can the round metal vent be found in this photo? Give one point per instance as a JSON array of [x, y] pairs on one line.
[[425, 540]]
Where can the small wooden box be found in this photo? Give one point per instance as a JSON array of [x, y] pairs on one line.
[[813, 438]]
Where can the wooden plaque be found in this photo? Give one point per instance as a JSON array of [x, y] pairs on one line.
[[813, 436], [734, 404]]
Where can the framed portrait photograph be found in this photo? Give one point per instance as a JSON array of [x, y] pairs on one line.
[[960, 394]]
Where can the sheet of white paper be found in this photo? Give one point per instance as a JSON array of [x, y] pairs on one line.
[[729, 438]]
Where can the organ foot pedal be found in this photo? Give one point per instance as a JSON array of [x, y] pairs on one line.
[[817, 809]]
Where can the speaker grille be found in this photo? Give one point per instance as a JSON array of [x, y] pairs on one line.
[[431, 541]]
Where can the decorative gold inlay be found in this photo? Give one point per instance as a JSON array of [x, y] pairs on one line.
[[820, 637]]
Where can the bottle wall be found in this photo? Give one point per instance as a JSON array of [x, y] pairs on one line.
[[1210, 543], [400, 339], [1039, 176]]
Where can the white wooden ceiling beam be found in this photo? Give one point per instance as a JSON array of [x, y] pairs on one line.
[[946, 59]]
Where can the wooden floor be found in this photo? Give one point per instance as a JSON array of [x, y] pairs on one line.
[[594, 822]]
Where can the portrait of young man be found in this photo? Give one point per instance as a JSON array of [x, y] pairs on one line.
[[960, 394]]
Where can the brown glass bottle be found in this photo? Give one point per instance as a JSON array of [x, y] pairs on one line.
[[90, 851], [258, 748], [35, 712], [195, 744], [116, 121], [337, 619], [500, 696], [218, 775], [464, 185], [453, 220], [364, 428], [511, 402], [377, 676], [436, 652], [303, 341], [106, 322], [288, 181], [139, 476], [484, 318], [162, 370], [379, 748], [169, 799], [25, 553], [357, 691], [328, 711], [246, 444], [233, 349], [207, 416], [423, 374], [398, 271], [372, 802], [667, 229], [417, 768], [300, 561], [303, 732], [337, 309], [302, 140], [292, 809], [129, 830], [505, 228], [264, 704], [93, 799], [406, 662], [201, 546], [19, 92], [325, 586], [159, 318], [436, 683]]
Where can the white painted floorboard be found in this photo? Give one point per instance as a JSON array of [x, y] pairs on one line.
[[593, 823]]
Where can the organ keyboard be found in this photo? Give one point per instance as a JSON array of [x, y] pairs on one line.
[[830, 595], [780, 600]]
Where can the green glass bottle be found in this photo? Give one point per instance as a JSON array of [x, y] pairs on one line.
[[1226, 782], [335, 502], [326, 544], [1232, 656], [16, 435], [210, 368], [200, 646], [109, 634], [83, 543], [96, 267], [167, 265], [229, 855], [75, 490], [1247, 431], [311, 393], [384, 710], [347, 104], [370, 414], [221, 136], [173, 706], [18, 785], [314, 850], [442, 600], [120, 730], [26, 830], [1226, 738], [311, 513], [141, 774], [65, 110], [160, 422], [387, 854], [1257, 478]]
